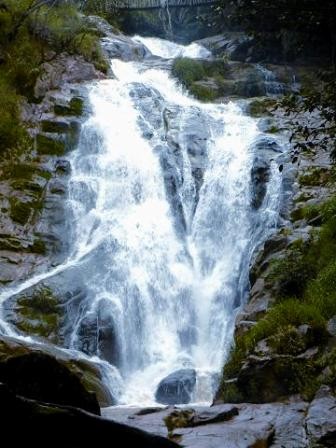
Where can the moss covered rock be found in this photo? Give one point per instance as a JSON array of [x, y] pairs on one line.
[[75, 107], [39, 314], [89, 374], [48, 145]]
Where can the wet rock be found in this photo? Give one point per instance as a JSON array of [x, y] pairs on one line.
[[176, 388], [152, 422], [63, 167], [321, 418], [259, 177], [97, 333], [227, 44], [64, 69], [331, 326]]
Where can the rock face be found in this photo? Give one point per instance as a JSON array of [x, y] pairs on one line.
[[31, 423], [321, 419], [291, 424], [47, 373], [41, 377], [177, 387]]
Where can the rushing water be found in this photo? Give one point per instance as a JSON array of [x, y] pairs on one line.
[[163, 226]]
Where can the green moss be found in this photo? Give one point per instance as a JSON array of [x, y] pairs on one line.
[[288, 340], [179, 419], [20, 212], [8, 242], [321, 292], [23, 171], [13, 134], [42, 301], [75, 108], [308, 272], [307, 212], [39, 314], [261, 107], [38, 247], [277, 325], [54, 126], [202, 93], [291, 274], [47, 145], [230, 392], [187, 70], [315, 177], [273, 130]]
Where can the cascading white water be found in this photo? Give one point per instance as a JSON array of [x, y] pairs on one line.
[[163, 224]]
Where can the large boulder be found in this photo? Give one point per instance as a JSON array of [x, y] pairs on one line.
[[321, 418], [270, 377], [260, 174], [176, 388], [42, 377], [31, 423], [28, 366]]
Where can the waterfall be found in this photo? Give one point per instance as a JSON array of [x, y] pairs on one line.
[[163, 226]]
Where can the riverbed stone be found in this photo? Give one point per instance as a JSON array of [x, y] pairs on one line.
[[176, 388]]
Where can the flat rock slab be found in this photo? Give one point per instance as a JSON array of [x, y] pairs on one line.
[[141, 418], [276, 425]]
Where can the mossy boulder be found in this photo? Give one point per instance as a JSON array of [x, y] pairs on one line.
[[50, 145], [261, 107], [39, 314], [87, 373], [268, 379], [41, 377], [317, 176], [75, 107], [55, 126], [14, 244], [22, 211]]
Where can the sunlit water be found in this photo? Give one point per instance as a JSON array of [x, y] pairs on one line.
[[172, 289]]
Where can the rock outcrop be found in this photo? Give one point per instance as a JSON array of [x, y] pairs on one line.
[[34, 423], [48, 373], [177, 387]]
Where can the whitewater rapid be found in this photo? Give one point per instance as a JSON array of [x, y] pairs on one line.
[[162, 222]]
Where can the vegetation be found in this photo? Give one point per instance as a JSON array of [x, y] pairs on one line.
[[39, 314], [305, 289], [31, 33], [285, 31], [190, 71]]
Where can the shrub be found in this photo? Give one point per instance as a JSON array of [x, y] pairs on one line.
[[292, 273], [321, 292], [188, 70], [12, 133], [277, 325]]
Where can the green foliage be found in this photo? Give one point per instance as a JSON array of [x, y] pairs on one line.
[[260, 107], [39, 314], [277, 325], [308, 273], [20, 211], [202, 93], [315, 177], [75, 108], [46, 145], [322, 291], [187, 70], [42, 301], [12, 133], [292, 273]]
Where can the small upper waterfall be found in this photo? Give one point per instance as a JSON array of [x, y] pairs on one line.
[[163, 223]]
